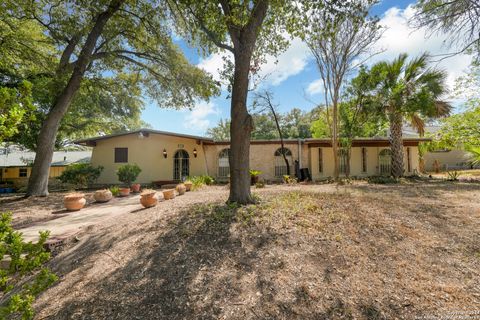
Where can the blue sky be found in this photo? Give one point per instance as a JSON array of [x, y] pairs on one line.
[[294, 80]]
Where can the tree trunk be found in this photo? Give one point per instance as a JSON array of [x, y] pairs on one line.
[[38, 181], [240, 130], [335, 140], [396, 144]]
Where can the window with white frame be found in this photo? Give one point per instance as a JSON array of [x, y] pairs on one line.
[[224, 163], [280, 165]]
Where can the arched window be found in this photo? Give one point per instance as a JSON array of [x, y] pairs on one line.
[[280, 165], [181, 165], [385, 162], [224, 163]]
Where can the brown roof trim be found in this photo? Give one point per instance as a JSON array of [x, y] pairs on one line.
[[145, 132], [225, 143]]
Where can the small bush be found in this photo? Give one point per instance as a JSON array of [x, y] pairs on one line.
[[200, 181], [453, 175], [115, 191], [289, 179], [128, 173], [25, 277], [382, 179], [255, 173], [80, 174]]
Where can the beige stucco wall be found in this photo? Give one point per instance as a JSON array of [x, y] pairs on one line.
[[147, 153], [262, 157], [453, 159], [356, 162]]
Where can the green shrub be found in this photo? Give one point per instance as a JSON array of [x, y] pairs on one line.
[[80, 174], [115, 191], [255, 173], [200, 181], [25, 277], [128, 173], [289, 179]]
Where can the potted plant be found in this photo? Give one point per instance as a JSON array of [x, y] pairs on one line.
[[74, 201], [254, 175], [181, 188], [135, 187], [148, 198], [188, 185], [103, 195], [168, 194], [127, 174]]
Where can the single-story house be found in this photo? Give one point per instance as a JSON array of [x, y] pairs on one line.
[[15, 164], [166, 157]]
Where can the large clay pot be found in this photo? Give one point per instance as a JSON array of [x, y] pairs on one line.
[[168, 194], [124, 192], [74, 201], [104, 195], [136, 187], [188, 185], [148, 198], [181, 189]]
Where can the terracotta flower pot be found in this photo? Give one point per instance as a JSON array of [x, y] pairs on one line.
[[148, 198], [181, 189], [74, 201], [124, 192], [168, 194], [188, 185], [104, 195], [136, 187]]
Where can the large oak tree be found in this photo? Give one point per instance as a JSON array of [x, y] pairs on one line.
[[107, 38]]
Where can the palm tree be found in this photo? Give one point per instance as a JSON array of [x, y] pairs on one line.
[[408, 91]]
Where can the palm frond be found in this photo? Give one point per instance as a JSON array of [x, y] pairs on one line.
[[417, 123], [475, 153], [442, 109]]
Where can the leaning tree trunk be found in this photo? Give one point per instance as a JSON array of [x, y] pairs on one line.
[[281, 140], [396, 144], [38, 181]]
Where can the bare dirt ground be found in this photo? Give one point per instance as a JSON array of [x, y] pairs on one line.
[[358, 251], [27, 211]]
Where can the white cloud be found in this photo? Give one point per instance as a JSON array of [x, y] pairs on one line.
[[197, 118], [400, 37], [289, 63], [274, 71], [315, 87]]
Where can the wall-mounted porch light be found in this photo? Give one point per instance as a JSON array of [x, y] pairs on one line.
[[195, 152], [164, 153]]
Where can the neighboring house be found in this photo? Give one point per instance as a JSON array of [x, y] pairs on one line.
[[15, 164], [447, 159], [166, 157]]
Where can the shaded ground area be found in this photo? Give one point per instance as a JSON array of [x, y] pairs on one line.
[[27, 211], [358, 251]]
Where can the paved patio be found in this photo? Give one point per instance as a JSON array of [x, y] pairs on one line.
[[70, 223]]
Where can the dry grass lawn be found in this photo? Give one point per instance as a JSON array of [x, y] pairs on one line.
[[358, 251]]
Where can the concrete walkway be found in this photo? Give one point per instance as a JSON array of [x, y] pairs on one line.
[[72, 222]]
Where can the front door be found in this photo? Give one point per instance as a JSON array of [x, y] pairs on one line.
[[181, 165]]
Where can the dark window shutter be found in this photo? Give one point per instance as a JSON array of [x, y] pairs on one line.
[[121, 155]]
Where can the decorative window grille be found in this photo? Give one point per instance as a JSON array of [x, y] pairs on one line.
[[280, 165], [181, 165]]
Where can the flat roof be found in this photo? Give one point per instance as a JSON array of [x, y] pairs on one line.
[[60, 158]]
